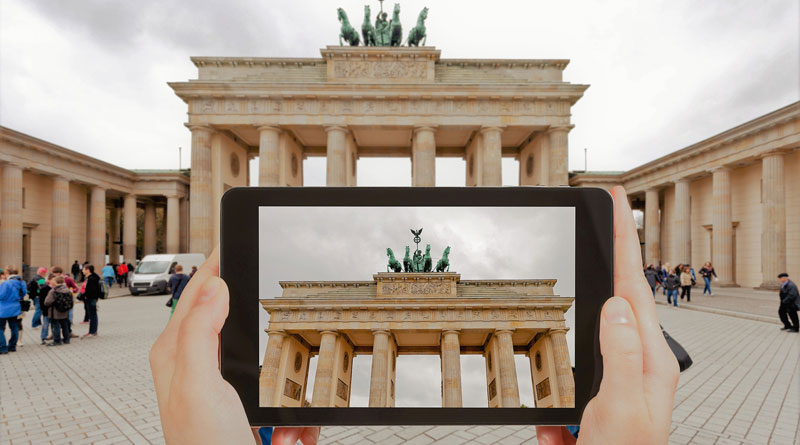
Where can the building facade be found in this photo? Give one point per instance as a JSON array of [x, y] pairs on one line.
[[732, 199], [412, 314], [58, 206]]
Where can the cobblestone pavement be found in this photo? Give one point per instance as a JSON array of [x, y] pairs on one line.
[[744, 386], [763, 303]]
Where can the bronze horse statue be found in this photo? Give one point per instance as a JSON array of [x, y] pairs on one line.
[[407, 261], [428, 265], [396, 27], [367, 30], [444, 262], [394, 265], [418, 32], [348, 33]]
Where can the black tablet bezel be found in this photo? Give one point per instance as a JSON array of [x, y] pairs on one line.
[[239, 216]]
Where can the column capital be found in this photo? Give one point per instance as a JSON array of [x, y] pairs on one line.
[[451, 331], [97, 187], [269, 127], [60, 178], [329, 331], [329, 128], [555, 128], [503, 331], [198, 127], [498, 128], [771, 153], [430, 128], [720, 168], [683, 180], [654, 189], [380, 331], [557, 330], [278, 332]]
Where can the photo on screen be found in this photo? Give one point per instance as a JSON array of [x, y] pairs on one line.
[[416, 307]]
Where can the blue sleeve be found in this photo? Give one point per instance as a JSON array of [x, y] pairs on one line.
[[265, 433]]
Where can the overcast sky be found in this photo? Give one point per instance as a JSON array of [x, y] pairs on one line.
[[349, 243], [91, 74]]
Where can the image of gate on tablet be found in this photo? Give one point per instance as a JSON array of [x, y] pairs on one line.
[[416, 307]]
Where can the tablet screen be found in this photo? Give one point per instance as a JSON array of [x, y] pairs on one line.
[[416, 307]]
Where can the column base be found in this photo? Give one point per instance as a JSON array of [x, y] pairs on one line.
[[769, 286], [723, 284]]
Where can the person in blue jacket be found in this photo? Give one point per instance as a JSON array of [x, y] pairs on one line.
[[11, 292]]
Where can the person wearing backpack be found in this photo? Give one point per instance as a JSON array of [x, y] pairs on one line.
[[177, 282], [58, 303], [93, 292], [672, 284]]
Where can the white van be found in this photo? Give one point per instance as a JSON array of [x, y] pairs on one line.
[[152, 273]]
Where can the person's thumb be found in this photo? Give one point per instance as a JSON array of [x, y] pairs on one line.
[[198, 334], [621, 347]]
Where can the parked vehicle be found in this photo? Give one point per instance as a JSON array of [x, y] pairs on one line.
[[152, 273]]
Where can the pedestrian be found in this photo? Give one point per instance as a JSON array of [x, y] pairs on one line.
[[93, 292], [653, 278], [123, 274], [59, 302], [108, 275], [44, 289], [707, 272], [75, 270], [12, 291], [686, 283], [83, 277], [73, 287], [664, 275], [194, 269], [790, 303], [33, 292], [80, 299], [177, 282], [672, 283]]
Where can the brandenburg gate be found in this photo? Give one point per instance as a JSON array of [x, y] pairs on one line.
[[415, 313]]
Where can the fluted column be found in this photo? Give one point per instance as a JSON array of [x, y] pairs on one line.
[[336, 156], [149, 228], [97, 227], [11, 217], [173, 224], [566, 381], [268, 384], [773, 220], [491, 157], [451, 369], [652, 228], [722, 248], [113, 236], [683, 228], [129, 229], [423, 157], [509, 387], [380, 362], [268, 156], [201, 224], [59, 235], [559, 155], [323, 380]]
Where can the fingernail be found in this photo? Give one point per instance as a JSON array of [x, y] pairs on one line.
[[209, 289], [617, 311]]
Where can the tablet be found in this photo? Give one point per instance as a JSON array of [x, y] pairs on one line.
[[403, 306]]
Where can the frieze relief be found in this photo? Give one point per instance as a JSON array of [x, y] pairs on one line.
[[367, 106], [380, 70], [406, 288], [414, 315]]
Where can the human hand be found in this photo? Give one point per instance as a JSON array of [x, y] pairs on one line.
[[640, 373], [195, 403]]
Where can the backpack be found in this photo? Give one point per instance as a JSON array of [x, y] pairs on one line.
[[62, 301], [104, 289]]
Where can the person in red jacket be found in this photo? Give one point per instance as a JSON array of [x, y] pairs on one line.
[[122, 271]]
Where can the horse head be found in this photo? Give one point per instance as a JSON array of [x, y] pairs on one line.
[[389, 252], [341, 14], [446, 252], [408, 251], [367, 12], [397, 9], [428, 250], [424, 13]]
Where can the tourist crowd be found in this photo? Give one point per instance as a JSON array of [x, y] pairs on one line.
[[51, 296]]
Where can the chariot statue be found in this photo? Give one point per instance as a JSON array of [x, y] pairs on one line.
[[385, 32]]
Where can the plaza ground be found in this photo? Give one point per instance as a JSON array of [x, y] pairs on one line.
[[744, 386]]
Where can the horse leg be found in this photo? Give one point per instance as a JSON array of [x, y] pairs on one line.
[[424, 39]]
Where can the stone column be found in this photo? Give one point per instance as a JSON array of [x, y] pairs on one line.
[[149, 228], [173, 224], [722, 248], [97, 228], [59, 235], [380, 362], [683, 228], [566, 381], [773, 220], [268, 156], [268, 384], [652, 228], [129, 229], [509, 387], [11, 217], [201, 224], [451, 369], [113, 236], [491, 157], [336, 156], [559, 155], [323, 380], [423, 157]]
